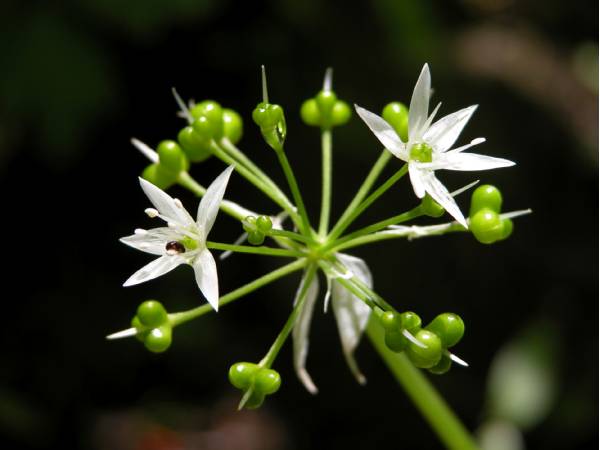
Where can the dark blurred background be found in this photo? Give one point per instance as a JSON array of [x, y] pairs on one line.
[[79, 78]]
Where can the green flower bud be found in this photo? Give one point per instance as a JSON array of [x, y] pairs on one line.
[[395, 341], [486, 226], [443, 366], [410, 321], [486, 196], [255, 401], [142, 331], [159, 176], [325, 100], [206, 129], [152, 313], [242, 374], [448, 327], [429, 356], [256, 237], [340, 114], [271, 120], [396, 114], [390, 321], [309, 113], [267, 381], [249, 224], [213, 113], [507, 228], [232, 125], [194, 147], [171, 156], [264, 224], [430, 207], [158, 339]]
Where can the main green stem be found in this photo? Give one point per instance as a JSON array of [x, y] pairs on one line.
[[326, 190], [261, 250], [186, 316], [428, 401]]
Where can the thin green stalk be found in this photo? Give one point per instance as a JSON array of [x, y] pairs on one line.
[[186, 316], [366, 185], [233, 209], [291, 321], [428, 401], [341, 226], [400, 218], [382, 236], [326, 180], [291, 235], [256, 250], [291, 178]]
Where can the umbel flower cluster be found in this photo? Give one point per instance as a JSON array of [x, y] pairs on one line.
[[414, 141]]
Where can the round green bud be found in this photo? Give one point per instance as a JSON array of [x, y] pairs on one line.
[[213, 112], [443, 366], [158, 339], [256, 237], [325, 101], [449, 327], [206, 128], [390, 321], [507, 228], [429, 356], [410, 321], [194, 147], [159, 176], [341, 113], [241, 374], [264, 224], [486, 196], [396, 114], [486, 226], [152, 313], [232, 125], [309, 113], [255, 401], [249, 224], [142, 331], [267, 381], [171, 156], [430, 207], [267, 115], [421, 152], [395, 341]]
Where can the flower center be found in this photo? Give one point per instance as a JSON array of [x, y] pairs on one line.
[[421, 152], [185, 244]]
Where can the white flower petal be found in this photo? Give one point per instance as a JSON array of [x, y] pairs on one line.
[[474, 161], [300, 334], [419, 102], [154, 269], [384, 132], [415, 179], [211, 201], [444, 133], [441, 195], [351, 313], [205, 270], [152, 241], [166, 205]]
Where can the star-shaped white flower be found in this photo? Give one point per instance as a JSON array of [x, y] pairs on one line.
[[351, 315], [183, 240], [428, 146]]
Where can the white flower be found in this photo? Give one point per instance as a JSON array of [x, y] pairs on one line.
[[183, 240], [351, 315], [428, 146]]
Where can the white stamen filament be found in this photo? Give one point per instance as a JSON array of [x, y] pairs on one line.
[[456, 359], [122, 334], [145, 150], [328, 80], [464, 188], [408, 335]]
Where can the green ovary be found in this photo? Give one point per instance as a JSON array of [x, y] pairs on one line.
[[421, 152]]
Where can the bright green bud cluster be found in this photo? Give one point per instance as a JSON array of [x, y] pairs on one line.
[[271, 121], [257, 228], [431, 208], [445, 331], [171, 162], [484, 217], [325, 110], [396, 114], [259, 381], [153, 326]]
